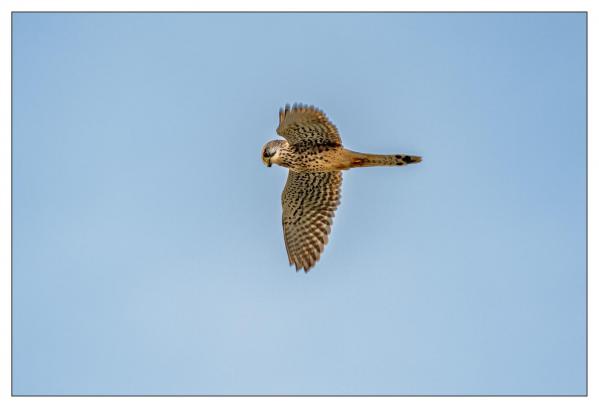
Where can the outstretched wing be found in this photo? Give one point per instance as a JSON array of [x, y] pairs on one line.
[[307, 125], [309, 204]]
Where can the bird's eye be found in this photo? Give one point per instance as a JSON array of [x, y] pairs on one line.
[[267, 153]]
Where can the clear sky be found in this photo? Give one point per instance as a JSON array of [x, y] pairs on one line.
[[148, 255]]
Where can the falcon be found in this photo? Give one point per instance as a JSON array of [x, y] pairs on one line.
[[313, 153]]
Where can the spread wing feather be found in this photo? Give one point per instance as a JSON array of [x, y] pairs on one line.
[[309, 204], [303, 124]]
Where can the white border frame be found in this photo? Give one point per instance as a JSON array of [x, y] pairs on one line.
[[8, 6]]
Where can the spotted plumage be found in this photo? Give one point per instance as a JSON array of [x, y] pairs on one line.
[[313, 153]]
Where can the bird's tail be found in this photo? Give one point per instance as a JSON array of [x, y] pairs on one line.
[[369, 160]]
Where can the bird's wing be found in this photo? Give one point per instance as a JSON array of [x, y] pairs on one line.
[[309, 204], [307, 125]]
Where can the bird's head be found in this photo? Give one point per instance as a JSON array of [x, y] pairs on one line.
[[271, 152]]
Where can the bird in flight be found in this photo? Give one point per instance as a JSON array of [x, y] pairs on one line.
[[315, 157]]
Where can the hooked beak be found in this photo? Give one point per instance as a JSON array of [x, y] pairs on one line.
[[266, 162]]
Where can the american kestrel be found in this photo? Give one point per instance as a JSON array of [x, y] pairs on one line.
[[314, 155]]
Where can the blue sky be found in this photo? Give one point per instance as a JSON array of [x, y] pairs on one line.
[[148, 255]]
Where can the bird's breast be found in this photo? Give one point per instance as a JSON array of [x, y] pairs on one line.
[[317, 159]]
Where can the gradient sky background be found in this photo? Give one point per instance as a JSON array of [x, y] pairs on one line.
[[148, 255]]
